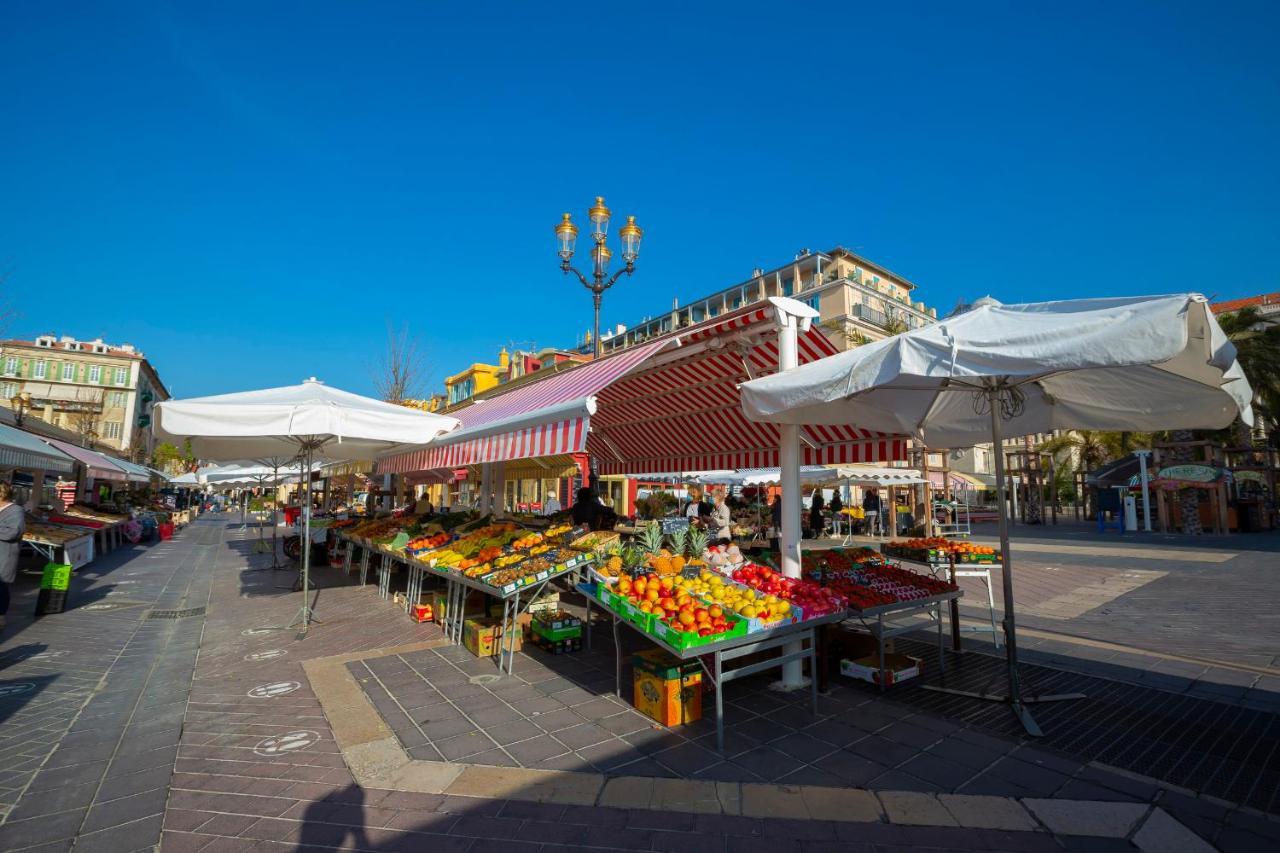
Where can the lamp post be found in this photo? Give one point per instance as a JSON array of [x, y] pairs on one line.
[[21, 404], [566, 237], [91, 438]]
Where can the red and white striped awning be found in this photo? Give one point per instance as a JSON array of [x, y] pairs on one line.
[[667, 405]]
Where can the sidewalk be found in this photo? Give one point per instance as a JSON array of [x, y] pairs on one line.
[[373, 733]]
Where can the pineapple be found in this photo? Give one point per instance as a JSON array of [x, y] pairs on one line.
[[651, 538], [632, 559], [697, 543], [679, 539]]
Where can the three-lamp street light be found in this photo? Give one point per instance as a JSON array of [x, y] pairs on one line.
[[566, 238]]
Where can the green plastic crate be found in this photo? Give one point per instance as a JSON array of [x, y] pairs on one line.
[[57, 577]]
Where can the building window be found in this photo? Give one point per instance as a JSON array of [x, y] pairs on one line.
[[68, 371], [9, 390], [41, 370], [111, 429], [788, 285], [116, 399], [460, 391], [122, 376], [813, 302], [95, 373], [10, 366]]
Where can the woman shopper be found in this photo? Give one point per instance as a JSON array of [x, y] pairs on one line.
[[721, 519], [13, 523], [816, 522]]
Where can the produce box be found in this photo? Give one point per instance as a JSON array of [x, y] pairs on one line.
[[475, 604], [546, 601], [687, 639], [556, 647], [57, 576], [545, 630], [626, 609], [897, 667], [556, 620], [480, 636], [666, 690]]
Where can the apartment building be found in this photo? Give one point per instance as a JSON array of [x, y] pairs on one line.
[[101, 392], [857, 299]]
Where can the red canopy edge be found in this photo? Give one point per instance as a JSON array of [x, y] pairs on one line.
[[667, 405]]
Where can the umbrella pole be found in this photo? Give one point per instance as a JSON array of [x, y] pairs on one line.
[[1014, 698], [305, 614]]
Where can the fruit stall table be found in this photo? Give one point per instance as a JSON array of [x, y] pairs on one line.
[[723, 651], [75, 543], [515, 597], [955, 560]]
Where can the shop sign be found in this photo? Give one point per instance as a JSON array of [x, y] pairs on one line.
[[1250, 477], [1190, 473]]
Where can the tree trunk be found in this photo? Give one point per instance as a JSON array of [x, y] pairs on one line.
[[1188, 499], [1032, 481]]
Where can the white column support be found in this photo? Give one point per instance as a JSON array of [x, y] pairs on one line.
[[500, 489], [486, 488], [1144, 472], [792, 318]]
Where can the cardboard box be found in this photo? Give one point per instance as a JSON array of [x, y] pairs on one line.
[[548, 601], [475, 604], [666, 689], [480, 636], [897, 667]]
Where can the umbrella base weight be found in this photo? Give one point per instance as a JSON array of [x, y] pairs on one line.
[[306, 618], [1019, 707]]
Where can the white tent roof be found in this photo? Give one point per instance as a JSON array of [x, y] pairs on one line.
[[1133, 363], [276, 421], [252, 472]]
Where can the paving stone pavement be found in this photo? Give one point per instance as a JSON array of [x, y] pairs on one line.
[[86, 753], [257, 766]]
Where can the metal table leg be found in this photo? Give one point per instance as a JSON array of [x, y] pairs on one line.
[[364, 567], [719, 665], [617, 659]]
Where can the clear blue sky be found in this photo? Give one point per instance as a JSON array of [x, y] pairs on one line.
[[251, 191]]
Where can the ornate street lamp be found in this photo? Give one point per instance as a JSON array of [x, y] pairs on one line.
[[21, 404], [629, 235]]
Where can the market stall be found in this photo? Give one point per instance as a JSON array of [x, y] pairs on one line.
[[1133, 363], [68, 544]]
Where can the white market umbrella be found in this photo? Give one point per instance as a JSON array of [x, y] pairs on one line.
[[260, 473], [296, 420], [1130, 363]]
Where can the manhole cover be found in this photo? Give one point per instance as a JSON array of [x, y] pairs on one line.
[[176, 614], [484, 679]]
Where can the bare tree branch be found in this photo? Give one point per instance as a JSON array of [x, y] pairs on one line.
[[401, 372]]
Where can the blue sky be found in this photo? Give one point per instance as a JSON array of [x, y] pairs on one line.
[[251, 191]]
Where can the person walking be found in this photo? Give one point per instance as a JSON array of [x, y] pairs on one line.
[[871, 507], [13, 523]]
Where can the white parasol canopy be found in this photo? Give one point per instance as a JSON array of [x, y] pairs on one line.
[[279, 424], [275, 422], [1133, 363]]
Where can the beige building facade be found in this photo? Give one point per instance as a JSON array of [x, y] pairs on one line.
[[101, 392], [857, 299]]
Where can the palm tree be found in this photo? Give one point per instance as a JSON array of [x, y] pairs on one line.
[[1257, 342]]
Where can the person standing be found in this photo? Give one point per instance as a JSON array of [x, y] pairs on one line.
[[816, 522], [871, 508], [13, 523], [721, 519]]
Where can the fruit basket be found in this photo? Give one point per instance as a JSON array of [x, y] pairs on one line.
[[597, 541], [685, 639]]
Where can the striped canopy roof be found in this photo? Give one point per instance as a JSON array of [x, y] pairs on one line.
[[670, 404]]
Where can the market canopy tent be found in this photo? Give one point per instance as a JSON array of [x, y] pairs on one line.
[[1134, 363], [283, 423], [669, 404], [97, 465]]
